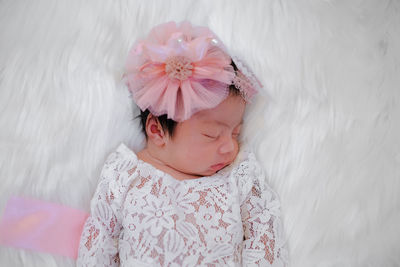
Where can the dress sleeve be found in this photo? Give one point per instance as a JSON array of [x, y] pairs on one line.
[[99, 240], [263, 243]]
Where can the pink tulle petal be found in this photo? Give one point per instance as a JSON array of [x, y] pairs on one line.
[[205, 71], [211, 93], [167, 103], [150, 93], [157, 53], [187, 29], [174, 39], [198, 48], [212, 74], [195, 97], [137, 81], [216, 60], [134, 61], [217, 52], [187, 99], [177, 48], [152, 70], [195, 32], [213, 62]]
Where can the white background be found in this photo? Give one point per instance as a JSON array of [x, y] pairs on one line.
[[326, 127]]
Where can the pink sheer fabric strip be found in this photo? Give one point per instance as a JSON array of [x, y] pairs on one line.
[[42, 226]]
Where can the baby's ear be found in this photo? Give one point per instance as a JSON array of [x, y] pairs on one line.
[[154, 130]]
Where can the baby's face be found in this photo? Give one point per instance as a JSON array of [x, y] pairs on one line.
[[208, 141]]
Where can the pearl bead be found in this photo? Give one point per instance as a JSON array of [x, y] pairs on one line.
[[214, 41]]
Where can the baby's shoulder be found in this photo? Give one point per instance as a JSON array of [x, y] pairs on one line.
[[116, 178], [122, 157], [119, 168], [120, 161]]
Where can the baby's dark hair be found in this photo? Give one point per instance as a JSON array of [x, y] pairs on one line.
[[169, 125]]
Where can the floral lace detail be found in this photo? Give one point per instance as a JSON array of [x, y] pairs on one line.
[[245, 80], [144, 217]]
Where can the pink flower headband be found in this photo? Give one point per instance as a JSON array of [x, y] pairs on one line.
[[181, 69]]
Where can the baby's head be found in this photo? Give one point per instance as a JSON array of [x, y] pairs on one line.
[[192, 98], [202, 144]]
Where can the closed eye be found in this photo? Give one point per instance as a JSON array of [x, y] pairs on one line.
[[210, 136]]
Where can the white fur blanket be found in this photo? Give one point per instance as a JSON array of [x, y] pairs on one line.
[[326, 127]]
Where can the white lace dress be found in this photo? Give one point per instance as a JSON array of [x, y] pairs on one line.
[[141, 216]]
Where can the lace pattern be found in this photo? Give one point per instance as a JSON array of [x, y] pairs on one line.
[[144, 217], [245, 80]]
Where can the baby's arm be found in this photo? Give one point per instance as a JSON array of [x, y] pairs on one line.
[[99, 240], [260, 209]]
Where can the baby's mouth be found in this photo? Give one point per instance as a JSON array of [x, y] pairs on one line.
[[218, 166]]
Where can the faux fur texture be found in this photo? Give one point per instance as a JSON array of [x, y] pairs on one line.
[[326, 128]]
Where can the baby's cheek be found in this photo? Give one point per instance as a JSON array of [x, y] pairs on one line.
[[235, 151], [194, 153]]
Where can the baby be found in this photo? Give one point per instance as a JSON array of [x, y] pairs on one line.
[[189, 198]]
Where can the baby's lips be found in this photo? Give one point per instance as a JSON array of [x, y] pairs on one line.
[[219, 166]]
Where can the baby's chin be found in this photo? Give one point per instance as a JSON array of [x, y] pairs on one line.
[[199, 174], [211, 172], [204, 173]]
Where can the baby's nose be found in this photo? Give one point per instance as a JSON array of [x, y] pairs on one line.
[[227, 146]]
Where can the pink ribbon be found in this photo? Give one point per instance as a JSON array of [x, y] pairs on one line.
[[42, 226]]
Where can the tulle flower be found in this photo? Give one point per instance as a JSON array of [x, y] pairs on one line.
[[179, 70]]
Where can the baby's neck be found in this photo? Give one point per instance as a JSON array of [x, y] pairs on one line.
[[156, 161]]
